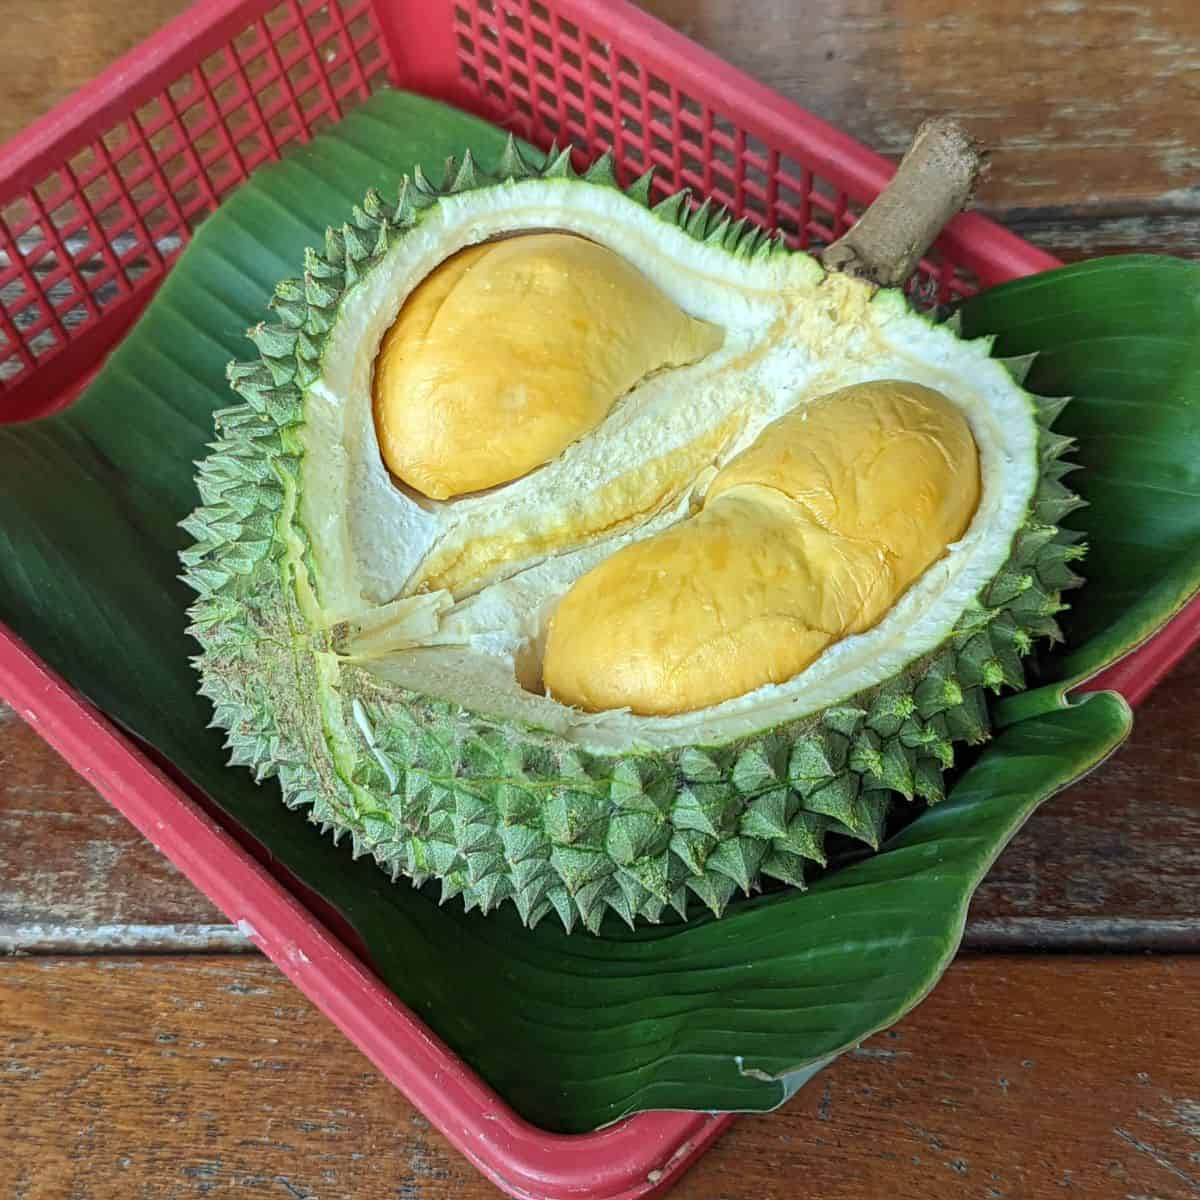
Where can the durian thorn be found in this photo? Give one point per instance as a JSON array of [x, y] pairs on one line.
[[935, 180]]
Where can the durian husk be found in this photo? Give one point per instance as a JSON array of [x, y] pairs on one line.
[[502, 811]]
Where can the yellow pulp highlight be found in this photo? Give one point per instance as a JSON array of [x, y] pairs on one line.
[[510, 351], [808, 536]]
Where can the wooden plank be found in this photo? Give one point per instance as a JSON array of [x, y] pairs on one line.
[[1080, 103], [1113, 863], [75, 875], [1075, 233], [1019, 1077], [53, 47]]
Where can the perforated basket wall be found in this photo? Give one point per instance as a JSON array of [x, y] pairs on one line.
[[95, 212], [550, 78]]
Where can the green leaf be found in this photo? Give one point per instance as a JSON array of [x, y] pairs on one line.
[[574, 1031], [1122, 336]]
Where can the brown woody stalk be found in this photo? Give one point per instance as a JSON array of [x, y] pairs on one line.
[[935, 180]]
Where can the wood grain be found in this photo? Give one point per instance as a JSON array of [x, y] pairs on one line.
[[1074, 233], [53, 47], [1082, 102], [1020, 1077], [75, 875], [184, 1077], [1113, 863]]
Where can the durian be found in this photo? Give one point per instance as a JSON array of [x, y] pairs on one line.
[[453, 641]]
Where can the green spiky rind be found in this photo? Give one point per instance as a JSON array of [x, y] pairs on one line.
[[504, 812]]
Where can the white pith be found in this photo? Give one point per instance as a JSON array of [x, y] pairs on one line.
[[369, 537]]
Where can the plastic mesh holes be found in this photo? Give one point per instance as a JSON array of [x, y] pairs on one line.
[[99, 232], [550, 80], [106, 225]]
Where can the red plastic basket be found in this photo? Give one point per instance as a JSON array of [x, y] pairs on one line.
[[98, 198]]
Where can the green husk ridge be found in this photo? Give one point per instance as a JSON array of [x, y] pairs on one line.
[[498, 811]]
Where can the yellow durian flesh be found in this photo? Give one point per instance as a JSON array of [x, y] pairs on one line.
[[511, 350], [808, 536]]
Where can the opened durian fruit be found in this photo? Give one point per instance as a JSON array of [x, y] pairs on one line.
[[597, 555]]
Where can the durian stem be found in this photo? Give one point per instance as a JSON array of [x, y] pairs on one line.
[[935, 180]]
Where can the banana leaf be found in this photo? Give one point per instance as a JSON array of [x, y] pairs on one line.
[[573, 1031], [1122, 336]]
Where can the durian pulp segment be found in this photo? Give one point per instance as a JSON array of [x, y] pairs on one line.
[[513, 349], [791, 334], [811, 534]]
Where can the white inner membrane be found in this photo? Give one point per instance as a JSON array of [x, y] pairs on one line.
[[791, 334]]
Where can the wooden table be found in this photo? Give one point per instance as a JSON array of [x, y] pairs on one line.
[[146, 1051]]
